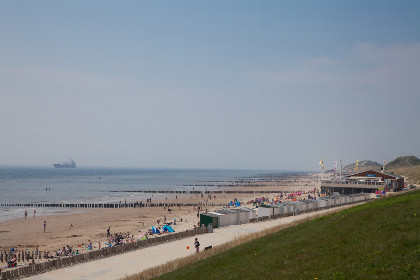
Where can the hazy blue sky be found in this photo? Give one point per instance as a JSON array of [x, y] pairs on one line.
[[208, 84]]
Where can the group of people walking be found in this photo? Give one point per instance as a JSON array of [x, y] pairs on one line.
[[26, 214]]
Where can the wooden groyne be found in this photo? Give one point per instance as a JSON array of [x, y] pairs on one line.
[[206, 192], [138, 204], [105, 205]]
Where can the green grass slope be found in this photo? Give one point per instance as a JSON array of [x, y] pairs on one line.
[[377, 240]]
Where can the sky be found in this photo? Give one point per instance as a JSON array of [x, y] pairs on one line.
[[208, 84]]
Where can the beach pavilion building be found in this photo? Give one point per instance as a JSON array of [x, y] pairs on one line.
[[369, 181]]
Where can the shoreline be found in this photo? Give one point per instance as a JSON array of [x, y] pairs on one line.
[[248, 186]]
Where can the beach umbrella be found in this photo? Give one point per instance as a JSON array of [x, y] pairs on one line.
[[155, 230]]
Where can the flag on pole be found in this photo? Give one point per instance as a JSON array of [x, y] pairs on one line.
[[357, 164], [335, 165], [322, 163]]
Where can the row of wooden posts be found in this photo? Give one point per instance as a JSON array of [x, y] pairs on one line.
[[106, 205], [104, 252], [206, 192], [130, 204], [20, 255]]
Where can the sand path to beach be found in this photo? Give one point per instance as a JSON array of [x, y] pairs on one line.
[[117, 267]]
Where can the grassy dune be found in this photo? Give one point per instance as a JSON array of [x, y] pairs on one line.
[[412, 173], [377, 240]]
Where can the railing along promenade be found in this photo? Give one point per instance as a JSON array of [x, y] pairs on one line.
[[350, 184], [61, 262]]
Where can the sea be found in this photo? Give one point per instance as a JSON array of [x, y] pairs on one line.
[[105, 185]]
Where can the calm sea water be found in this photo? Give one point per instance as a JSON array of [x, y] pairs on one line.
[[85, 185]]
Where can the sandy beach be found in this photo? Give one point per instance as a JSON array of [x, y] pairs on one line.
[[79, 226]]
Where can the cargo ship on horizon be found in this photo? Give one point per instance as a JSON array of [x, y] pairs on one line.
[[70, 164]]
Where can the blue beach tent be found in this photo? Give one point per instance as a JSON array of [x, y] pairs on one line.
[[155, 230], [168, 228]]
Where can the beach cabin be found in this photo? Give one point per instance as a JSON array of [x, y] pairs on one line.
[[225, 220], [354, 197], [326, 202], [308, 205], [265, 211], [299, 206], [252, 213], [242, 215], [288, 208], [315, 204], [336, 200], [361, 197], [229, 218], [209, 218], [277, 209], [343, 199]]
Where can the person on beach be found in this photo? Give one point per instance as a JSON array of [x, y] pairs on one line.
[[26, 213], [12, 262], [108, 232], [197, 245], [34, 214], [45, 225]]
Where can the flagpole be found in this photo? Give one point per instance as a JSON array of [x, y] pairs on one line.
[[322, 166], [341, 168], [335, 170]]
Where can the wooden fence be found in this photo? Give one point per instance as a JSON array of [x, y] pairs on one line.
[[104, 252]]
